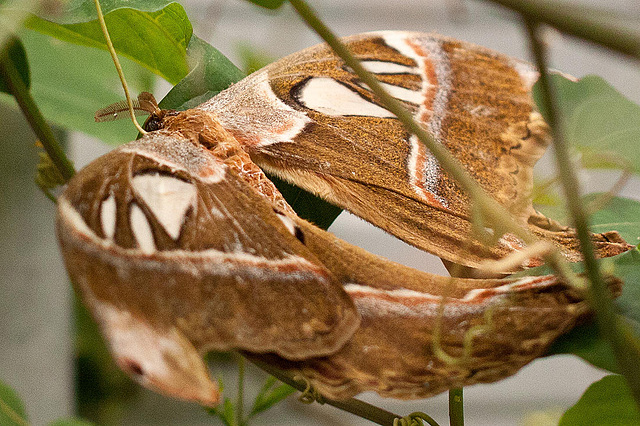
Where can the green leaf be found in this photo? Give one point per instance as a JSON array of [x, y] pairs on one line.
[[585, 342], [227, 414], [225, 411], [627, 267], [269, 4], [154, 34], [14, 51], [12, 410], [211, 72], [269, 396], [69, 91], [71, 422], [617, 214], [78, 11], [622, 215], [275, 395], [269, 383], [606, 402], [604, 127], [599, 121]]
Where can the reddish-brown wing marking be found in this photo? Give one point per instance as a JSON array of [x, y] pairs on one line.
[[175, 254], [308, 119]]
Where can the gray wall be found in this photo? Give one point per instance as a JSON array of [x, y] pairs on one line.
[[35, 296]]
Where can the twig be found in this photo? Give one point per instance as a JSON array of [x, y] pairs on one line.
[[578, 21], [116, 62], [610, 326], [456, 407], [33, 115], [352, 405]]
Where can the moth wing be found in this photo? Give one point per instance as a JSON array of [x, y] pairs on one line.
[[308, 119], [500, 324], [161, 231]]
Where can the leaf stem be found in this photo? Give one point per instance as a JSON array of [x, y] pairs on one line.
[[456, 407], [498, 215], [456, 401], [11, 413], [579, 21], [611, 328], [352, 405], [33, 115], [116, 62], [240, 399]]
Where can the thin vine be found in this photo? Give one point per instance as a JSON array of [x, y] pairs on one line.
[[608, 322], [415, 419]]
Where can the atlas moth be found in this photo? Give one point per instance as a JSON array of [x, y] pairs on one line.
[[179, 244]]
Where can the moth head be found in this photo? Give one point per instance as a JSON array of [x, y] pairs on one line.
[[156, 119], [159, 358]]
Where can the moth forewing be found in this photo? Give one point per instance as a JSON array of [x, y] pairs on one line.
[[157, 357], [315, 125], [166, 234]]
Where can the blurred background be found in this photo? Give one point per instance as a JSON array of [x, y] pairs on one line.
[[37, 345]]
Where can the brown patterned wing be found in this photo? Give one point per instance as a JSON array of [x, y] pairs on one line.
[[308, 119], [490, 328], [175, 254]]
